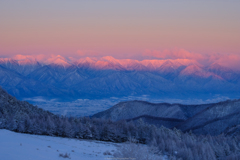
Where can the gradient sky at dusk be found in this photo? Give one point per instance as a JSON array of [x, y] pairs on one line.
[[120, 28]]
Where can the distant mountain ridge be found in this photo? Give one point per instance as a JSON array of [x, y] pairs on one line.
[[109, 62], [59, 77]]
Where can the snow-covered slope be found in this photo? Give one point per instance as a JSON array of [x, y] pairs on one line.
[[17, 146], [58, 60]]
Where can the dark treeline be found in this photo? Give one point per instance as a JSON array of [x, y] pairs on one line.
[[23, 117]]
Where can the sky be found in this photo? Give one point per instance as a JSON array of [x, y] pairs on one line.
[[136, 29]]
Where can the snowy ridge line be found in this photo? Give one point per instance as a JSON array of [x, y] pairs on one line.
[[106, 62]]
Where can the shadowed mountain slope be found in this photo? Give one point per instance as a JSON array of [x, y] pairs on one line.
[[215, 119], [133, 109], [211, 119]]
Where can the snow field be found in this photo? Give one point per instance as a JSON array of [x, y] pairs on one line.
[[17, 146]]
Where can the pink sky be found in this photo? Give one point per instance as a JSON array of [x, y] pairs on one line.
[[122, 29]]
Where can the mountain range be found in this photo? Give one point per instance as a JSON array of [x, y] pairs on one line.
[[58, 77]]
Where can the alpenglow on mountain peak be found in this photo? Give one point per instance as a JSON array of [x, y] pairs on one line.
[[107, 62], [60, 77]]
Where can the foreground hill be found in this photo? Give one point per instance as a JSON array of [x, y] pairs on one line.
[[212, 119], [15, 114]]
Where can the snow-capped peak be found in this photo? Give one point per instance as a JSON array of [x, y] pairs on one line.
[[58, 60], [109, 59]]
